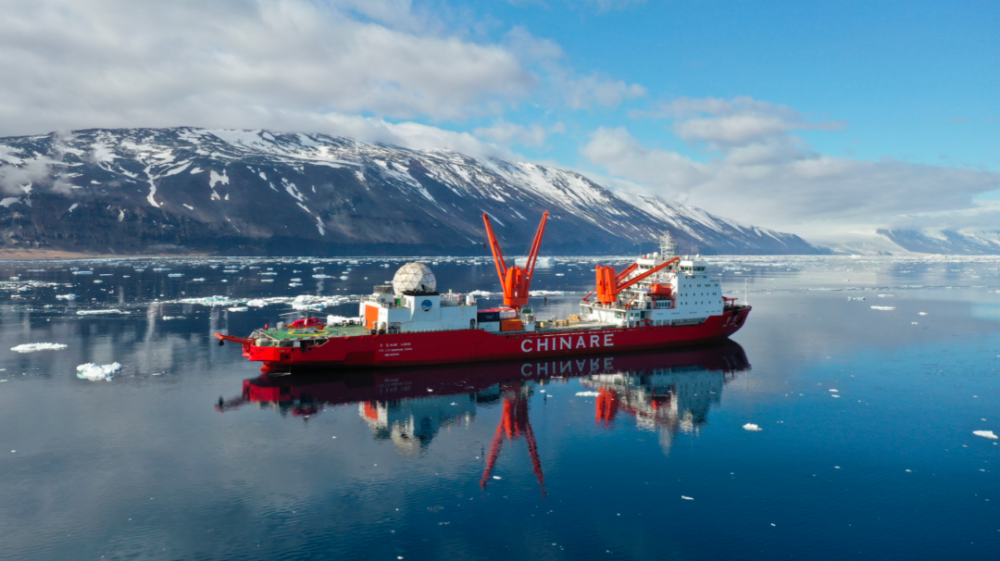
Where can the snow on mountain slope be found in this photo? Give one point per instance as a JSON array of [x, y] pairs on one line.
[[259, 192], [947, 242]]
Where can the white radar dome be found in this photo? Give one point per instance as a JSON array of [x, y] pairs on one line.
[[414, 277]]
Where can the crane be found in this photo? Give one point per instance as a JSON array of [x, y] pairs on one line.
[[514, 423], [609, 284], [515, 280]]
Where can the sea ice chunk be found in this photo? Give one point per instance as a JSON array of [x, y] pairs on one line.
[[751, 427], [587, 394], [985, 434], [33, 347], [97, 372]]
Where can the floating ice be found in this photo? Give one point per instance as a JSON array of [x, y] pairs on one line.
[[587, 394], [96, 312], [923, 313], [834, 390], [884, 308], [239, 309], [34, 347], [97, 372], [210, 301], [857, 298], [65, 296], [83, 272], [686, 498], [985, 434], [257, 303], [175, 275], [751, 427]]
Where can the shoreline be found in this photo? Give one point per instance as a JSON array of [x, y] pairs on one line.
[[57, 255]]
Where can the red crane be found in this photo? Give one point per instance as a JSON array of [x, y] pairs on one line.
[[515, 280], [514, 423], [608, 285]]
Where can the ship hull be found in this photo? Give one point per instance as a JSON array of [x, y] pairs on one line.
[[475, 345]]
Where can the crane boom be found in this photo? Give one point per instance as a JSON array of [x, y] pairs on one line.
[[515, 281], [533, 254], [629, 283], [495, 246], [608, 286]]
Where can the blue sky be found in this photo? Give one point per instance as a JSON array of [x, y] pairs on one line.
[[827, 119], [916, 81]]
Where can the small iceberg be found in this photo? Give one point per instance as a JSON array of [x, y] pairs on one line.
[[751, 427], [97, 372], [587, 394], [96, 312], [35, 347], [65, 296], [884, 308], [239, 309], [985, 434], [210, 301], [256, 303]]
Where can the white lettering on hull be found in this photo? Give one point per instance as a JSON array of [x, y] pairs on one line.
[[543, 344]]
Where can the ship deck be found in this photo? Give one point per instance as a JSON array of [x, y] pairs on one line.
[[325, 333], [331, 332]]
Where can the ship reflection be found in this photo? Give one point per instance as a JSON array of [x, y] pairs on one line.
[[668, 399], [667, 392]]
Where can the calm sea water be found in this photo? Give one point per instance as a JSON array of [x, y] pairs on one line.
[[866, 447]]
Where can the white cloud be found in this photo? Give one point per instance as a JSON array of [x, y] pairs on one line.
[[601, 5], [807, 193], [584, 92], [505, 133], [761, 173], [83, 63]]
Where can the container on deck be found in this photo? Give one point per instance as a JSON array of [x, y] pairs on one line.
[[511, 325]]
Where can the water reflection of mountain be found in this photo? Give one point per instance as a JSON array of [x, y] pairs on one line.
[[666, 391]]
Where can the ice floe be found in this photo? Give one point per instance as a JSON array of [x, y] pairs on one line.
[[884, 308], [587, 394], [34, 347], [97, 372], [98, 312], [210, 301], [751, 427], [985, 434]]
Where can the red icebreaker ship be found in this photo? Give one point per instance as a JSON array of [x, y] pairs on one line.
[[662, 300]]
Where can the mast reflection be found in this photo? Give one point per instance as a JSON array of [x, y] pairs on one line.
[[667, 392]]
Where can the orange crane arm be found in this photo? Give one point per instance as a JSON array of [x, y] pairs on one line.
[[626, 272], [529, 266], [646, 274], [497, 252]]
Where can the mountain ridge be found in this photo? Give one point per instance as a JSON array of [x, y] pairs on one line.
[[238, 192]]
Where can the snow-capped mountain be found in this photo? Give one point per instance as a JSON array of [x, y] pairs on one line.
[[256, 192], [947, 242]]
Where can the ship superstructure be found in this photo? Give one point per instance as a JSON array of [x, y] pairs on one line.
[[658, 289]]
